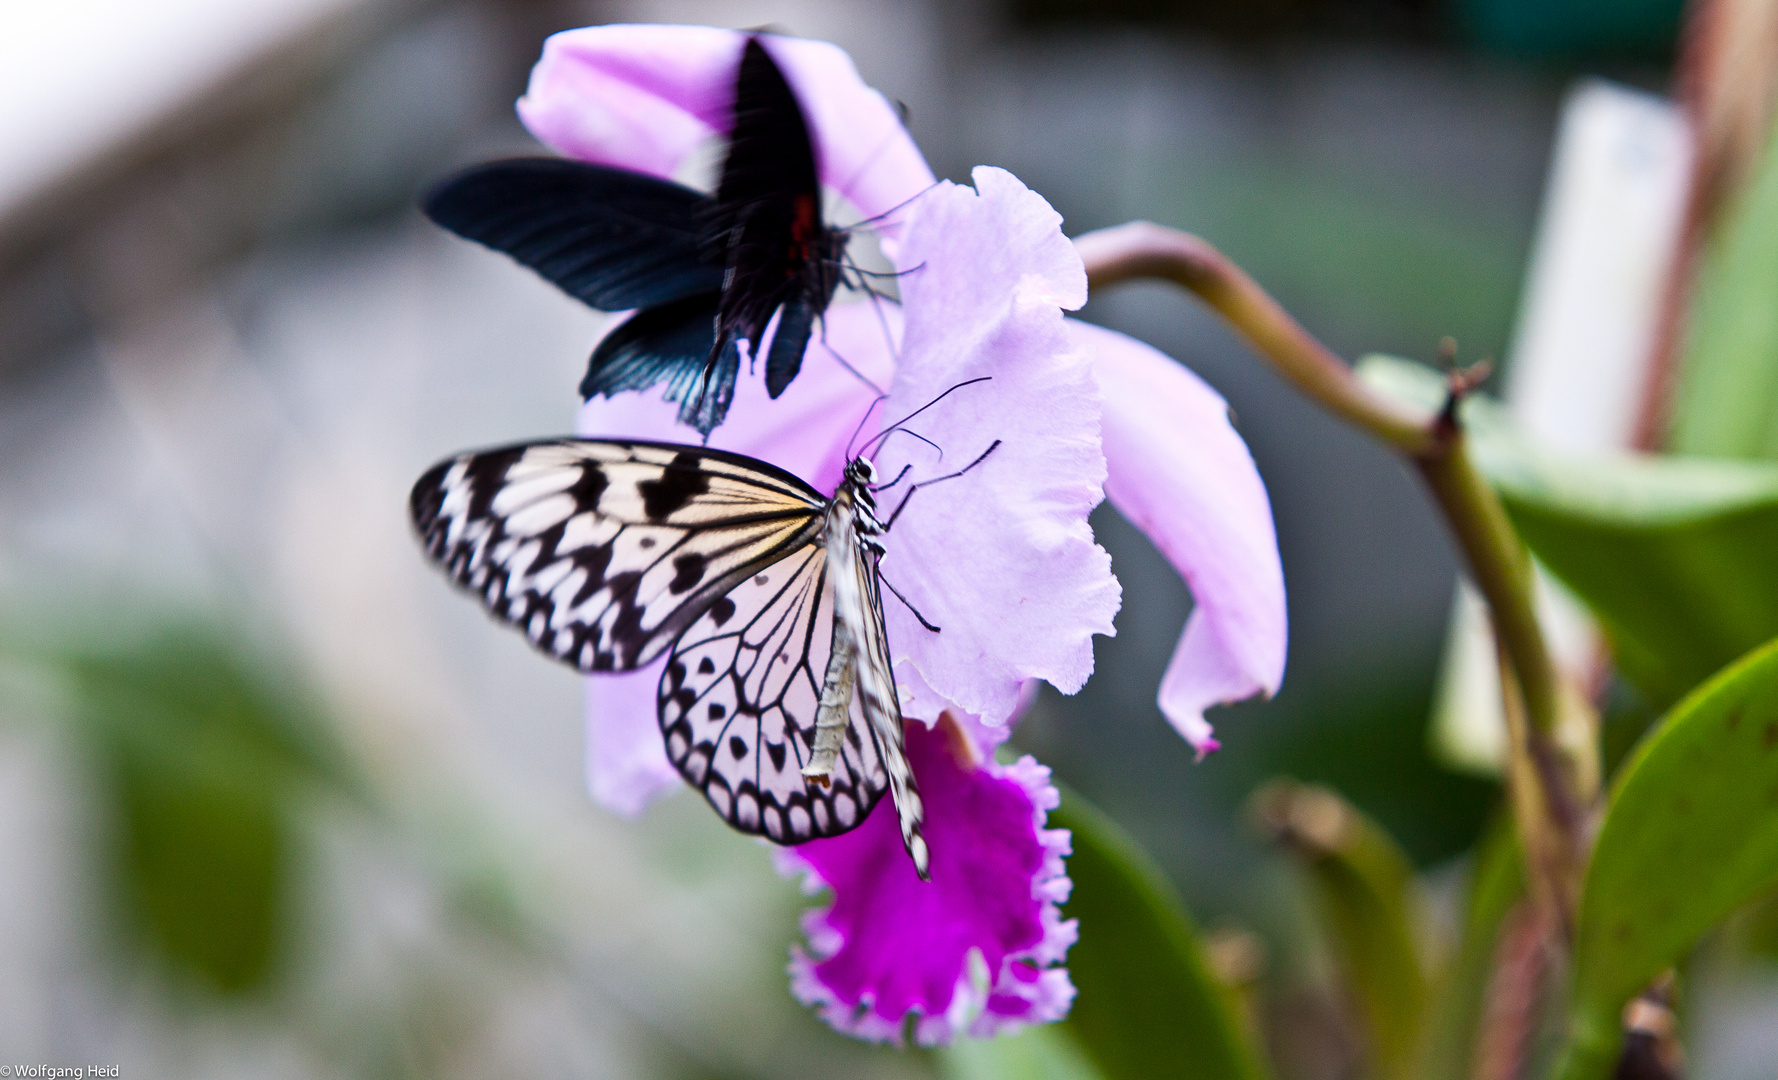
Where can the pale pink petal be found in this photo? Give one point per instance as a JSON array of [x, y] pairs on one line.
[[970, 952], [626, 765], [805, 431], [1001, 559], [644, 97], [1180, 473]]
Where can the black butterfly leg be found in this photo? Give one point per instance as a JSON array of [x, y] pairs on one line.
[[887, 525]]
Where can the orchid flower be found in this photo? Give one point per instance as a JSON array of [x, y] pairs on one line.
[[1000, 558]]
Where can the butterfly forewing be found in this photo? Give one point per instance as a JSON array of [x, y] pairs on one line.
[[603, 552], [738, 702], [612, 238]]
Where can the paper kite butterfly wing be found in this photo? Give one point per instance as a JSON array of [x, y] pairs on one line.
[[602, 553], [768, 228], [611, 238], [881, 708], [738, 701]]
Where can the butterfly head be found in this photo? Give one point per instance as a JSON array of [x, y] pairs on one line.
[[861, 473]]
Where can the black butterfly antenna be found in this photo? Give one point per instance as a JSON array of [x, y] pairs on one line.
[[880, 398], [897, 426], [877, 219]]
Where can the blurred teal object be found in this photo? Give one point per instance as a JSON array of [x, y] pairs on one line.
[[1570, 29]]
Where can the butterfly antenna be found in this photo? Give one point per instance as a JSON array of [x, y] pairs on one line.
[[862, 272], [904, 603], [881, 397], [892, 427], [922, 438], [902, 205], [905, 499]]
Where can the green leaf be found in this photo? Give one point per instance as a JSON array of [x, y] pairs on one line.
[[1048, 1052], [1726, 401], [1673, 555], [1690, 835], [200, 753], [1366, 897], [1496, 885], [1148, 1007]]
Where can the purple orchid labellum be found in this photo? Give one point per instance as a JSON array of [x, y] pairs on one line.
[[972, 952], [1001, 559]]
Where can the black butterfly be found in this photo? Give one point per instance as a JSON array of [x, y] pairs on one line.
[[707, 273]]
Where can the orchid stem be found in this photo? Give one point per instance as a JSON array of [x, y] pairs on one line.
[[1498, 561], [1143, 249]]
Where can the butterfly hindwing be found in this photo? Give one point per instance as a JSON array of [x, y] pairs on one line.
[[738, 702], [603, 552], [611, 238], [672, 344]]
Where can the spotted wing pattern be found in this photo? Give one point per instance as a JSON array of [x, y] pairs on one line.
[[738, 702], [602, 552]]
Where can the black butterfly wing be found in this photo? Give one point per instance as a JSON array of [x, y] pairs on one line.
[[609, 237], [602, 553], [671, 344], [738, 703], [768, 230]]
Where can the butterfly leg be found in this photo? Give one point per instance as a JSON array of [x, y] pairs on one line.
[[887, 525]]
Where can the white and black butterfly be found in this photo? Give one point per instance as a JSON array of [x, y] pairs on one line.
[[778, 701]]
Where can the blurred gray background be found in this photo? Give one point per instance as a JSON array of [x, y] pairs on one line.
[[228, 342]]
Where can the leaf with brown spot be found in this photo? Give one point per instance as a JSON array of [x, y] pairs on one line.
[[1689, 837]]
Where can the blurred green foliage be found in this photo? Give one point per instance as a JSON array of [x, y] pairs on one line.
[[1369, 910], [1148, 1005], [1674, 555], [1460, 989], [1690, 836], [1048, 1052], [202, 755], [1726, 403]]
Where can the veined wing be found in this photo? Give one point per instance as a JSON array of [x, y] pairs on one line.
[[882, 708], [603, 552], [612, 238], [738, 702]]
